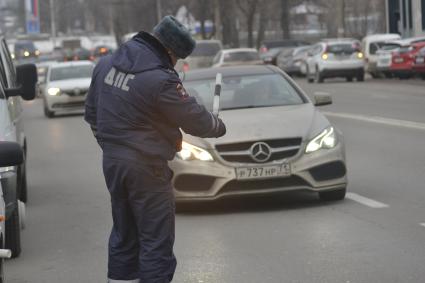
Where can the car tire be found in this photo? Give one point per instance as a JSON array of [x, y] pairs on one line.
[[360, 77], [349, 79], [23, 191], [374, 75], [48, 113], [308, 76], [13, 232], [319, 77], [334, 195], [423, 76], [388, 75]]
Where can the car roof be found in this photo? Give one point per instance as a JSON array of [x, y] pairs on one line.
[[338, 40], [71, 64], [209, 73], [381, 36], [232, 50]]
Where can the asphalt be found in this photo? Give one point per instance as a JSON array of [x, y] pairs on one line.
[[293, 237]]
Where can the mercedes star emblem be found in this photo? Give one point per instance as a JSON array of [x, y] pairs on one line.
[[260, 152]]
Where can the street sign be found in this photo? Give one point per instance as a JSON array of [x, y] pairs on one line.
[[32, 16]]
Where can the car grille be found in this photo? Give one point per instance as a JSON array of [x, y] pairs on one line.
[[77, 104], [75, 92], [250, 185], [241, 152]]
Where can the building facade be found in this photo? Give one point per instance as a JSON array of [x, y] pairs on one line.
[[406, 17]]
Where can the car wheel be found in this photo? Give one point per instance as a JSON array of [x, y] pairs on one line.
[[374, 75], [23, 192], [48, 113], [349, 79], [360, 77], [308, 75], [423, 76], [319, 76], [388, 75], [334, 195], [13, 232]]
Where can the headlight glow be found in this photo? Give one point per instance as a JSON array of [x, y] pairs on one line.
[[360, 55], [191, 152], [54, 91], [326, 139], [26, 54], [37, 52], [325, 56], [12, 55]]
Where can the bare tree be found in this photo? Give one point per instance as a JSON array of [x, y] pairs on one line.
[[285, 18], [249, 9]]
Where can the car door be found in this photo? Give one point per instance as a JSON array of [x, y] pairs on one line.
[[14, 103]]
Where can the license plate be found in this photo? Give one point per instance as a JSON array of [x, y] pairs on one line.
[[398, 60], [420, 60], [384, 62], [281, 170]]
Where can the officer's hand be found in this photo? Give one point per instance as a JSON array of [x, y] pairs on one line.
[[221, 129]]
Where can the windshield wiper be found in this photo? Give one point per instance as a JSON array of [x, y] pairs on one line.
[[247, 106]]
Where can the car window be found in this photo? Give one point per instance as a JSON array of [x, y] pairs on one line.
[[217, 58], [249, 91], [316, 50], [208, 49], [71, 72], [241, 56], [8, 60], [346, 48], [3, 78], [390, 46]]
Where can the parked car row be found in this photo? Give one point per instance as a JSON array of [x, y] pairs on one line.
[[15, 83]]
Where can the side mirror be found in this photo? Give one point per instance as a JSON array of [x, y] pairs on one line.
[[11, 154], [26, 76], [322, 98]]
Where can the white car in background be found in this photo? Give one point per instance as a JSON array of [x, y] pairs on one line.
[[237, 56], [201, 57], [332, 58], [370, 46], [66, 87]]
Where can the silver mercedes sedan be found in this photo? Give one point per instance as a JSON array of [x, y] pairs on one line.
[[276, 139]]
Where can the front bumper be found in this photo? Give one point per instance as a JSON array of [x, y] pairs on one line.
[[328, 73], [323, 170], [65, 102]]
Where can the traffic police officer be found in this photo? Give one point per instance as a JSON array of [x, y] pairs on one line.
[[136, 107]]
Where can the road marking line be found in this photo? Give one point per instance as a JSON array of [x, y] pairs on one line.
[[379, 120], [365, 201], [422, 224]]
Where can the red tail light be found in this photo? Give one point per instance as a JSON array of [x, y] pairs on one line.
[[185, 67], [263, 49]]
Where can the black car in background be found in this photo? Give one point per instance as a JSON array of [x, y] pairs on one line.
[[270, 49], [25, 50]]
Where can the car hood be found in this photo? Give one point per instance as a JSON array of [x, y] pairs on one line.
[[71, 84], [266, 123]]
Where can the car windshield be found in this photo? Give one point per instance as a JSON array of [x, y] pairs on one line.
[[347, 48], [389, 47], [241, 56], [250, 91], [72, 72], [27, 46], [206, 49]]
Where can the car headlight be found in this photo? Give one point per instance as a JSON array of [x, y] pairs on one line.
[[54, 91], [326, 139], [26, 54], [191, 152]]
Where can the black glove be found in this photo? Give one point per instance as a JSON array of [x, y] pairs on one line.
[[221, 128]]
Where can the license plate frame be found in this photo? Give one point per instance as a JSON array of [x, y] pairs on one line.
[[420, 60], [263, 172]]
